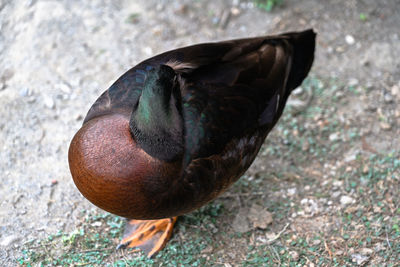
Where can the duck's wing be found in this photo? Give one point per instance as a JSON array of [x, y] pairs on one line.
[[241, 90], [229, 107]]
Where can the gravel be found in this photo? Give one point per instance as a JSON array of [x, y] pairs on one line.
[[57, 57]]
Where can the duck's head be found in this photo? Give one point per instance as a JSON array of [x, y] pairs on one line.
[[128, 165]]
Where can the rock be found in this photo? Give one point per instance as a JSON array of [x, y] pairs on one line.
[[25, 92], [96, 224], [333, 137], [351, 155], [335, 194], [292, 191], [337, 183], [148, 50], [78, 117], [395, 90], [64, 88], [339, 252], [385, 126], [388, 98], [240, 223], [296, 103], [316, 242], [352, 82], [270, 235], [339, 49], [346, 200], [350, 39], [9, 240], [359, 259], [48, 102], [365, 169], [310, 206], [235, 11], [366, 251], [298, 91], [259, 217], [294, 255]]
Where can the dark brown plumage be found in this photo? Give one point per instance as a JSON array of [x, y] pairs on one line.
[[176, 130]]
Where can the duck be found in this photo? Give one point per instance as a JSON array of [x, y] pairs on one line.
[[176, 130]]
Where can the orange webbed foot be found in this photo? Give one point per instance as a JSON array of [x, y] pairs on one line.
[[150, 236]]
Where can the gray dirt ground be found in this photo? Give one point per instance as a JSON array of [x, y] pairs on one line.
[[57, 57]]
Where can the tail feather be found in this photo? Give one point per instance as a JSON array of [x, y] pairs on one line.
[[304, 47]]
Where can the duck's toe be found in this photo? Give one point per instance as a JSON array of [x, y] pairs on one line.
[[149, 235]]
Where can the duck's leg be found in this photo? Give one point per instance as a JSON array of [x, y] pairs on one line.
[[149, 235]]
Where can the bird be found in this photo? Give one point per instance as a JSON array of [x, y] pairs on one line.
[[176, 130]]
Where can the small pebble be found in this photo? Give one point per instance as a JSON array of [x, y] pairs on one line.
[[385, 126], [259, 217], [294, 255], [48, 101], [96, 224], [148, 51], [337, 183], [339, 252], [352, 82], [64, 88], [298, 91], [78, 117], [350, 157], [359, 259], [305, 146], [395, 90], [350, 39], [340, 49], [292, 191], [270, 235], [365, 169], [24, 92], [346, 200], [316, 242], [333, 137], [235, 11], [388, 98]]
